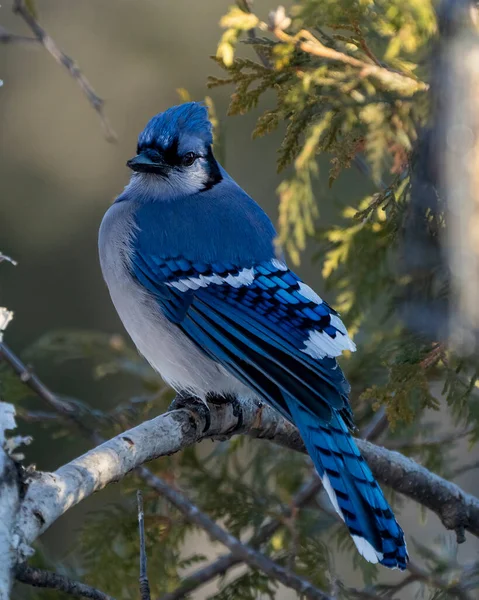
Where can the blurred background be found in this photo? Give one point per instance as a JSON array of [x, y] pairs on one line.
[[58, 176]]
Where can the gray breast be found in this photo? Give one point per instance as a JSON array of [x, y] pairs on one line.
[[170, 352]]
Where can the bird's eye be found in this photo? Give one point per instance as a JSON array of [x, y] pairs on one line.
[[188, 159]]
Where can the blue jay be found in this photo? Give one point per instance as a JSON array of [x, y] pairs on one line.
[[190, 262]]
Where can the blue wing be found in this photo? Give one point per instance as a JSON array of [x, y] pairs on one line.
[[278, 337], [260, 322]]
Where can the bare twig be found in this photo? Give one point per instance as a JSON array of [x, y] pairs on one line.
[[465, 468], [226, 562], [3, 257], [49, 579], [19, 7], [247, 6], [144, 583], [364, 45], [29, 378], [376, 426], [245, 553], [6, 37], [454, 589]]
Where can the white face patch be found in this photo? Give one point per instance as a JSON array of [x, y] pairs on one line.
[[180, 182], [366, 550], [244, 277]]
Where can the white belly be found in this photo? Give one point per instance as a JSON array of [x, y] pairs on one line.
[[169, 351]]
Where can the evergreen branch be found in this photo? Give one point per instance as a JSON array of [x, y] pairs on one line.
[[226, 562], [311, 45], [20, 7], [29, 378], [49, 579], [49, 495], [245, 553], [247, 6]]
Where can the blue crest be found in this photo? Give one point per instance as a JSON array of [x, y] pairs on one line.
[[189, 120]]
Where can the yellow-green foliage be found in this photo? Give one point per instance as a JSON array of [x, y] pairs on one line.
[[331, 106], [405, 396], [350, 81]]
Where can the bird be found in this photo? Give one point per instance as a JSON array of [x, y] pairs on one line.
[[193, 269]]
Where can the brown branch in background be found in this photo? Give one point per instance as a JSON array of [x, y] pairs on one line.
[[49, 579], [364, 45], [247, 6], [20, 8], [245, 553], [29, 378], [178, 429], [144, 583], [306, 41], [238, 549], [6, 37], [4, 257], [226, 562]]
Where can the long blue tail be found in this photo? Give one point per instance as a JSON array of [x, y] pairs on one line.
[[351, 487]]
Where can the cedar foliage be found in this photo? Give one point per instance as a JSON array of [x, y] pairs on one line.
[[350, 81]]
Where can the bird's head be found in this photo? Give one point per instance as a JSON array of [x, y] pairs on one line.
[[174, 151]]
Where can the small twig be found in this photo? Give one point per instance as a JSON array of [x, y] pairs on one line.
[[464, 469], [29, 378], [247, 6], [364, 45], [37, 416], [433, 356], [19, 7], [144, 583], [4, 257], [49, 579], [376, 426], [226, 562], [443, 440], [245, 553], [6, 37], [454, 590]]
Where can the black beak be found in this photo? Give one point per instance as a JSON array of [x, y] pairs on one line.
[[146, 163]]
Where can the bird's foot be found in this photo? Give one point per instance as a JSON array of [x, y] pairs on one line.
[[232, 400], [189, 402]]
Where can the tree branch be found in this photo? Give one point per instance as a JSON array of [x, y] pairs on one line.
[[20, 8], [49, 495], [6, 37], [226, 562], [243, 552], [49, 579], [10, 501], [144, 583], [306, 41]]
